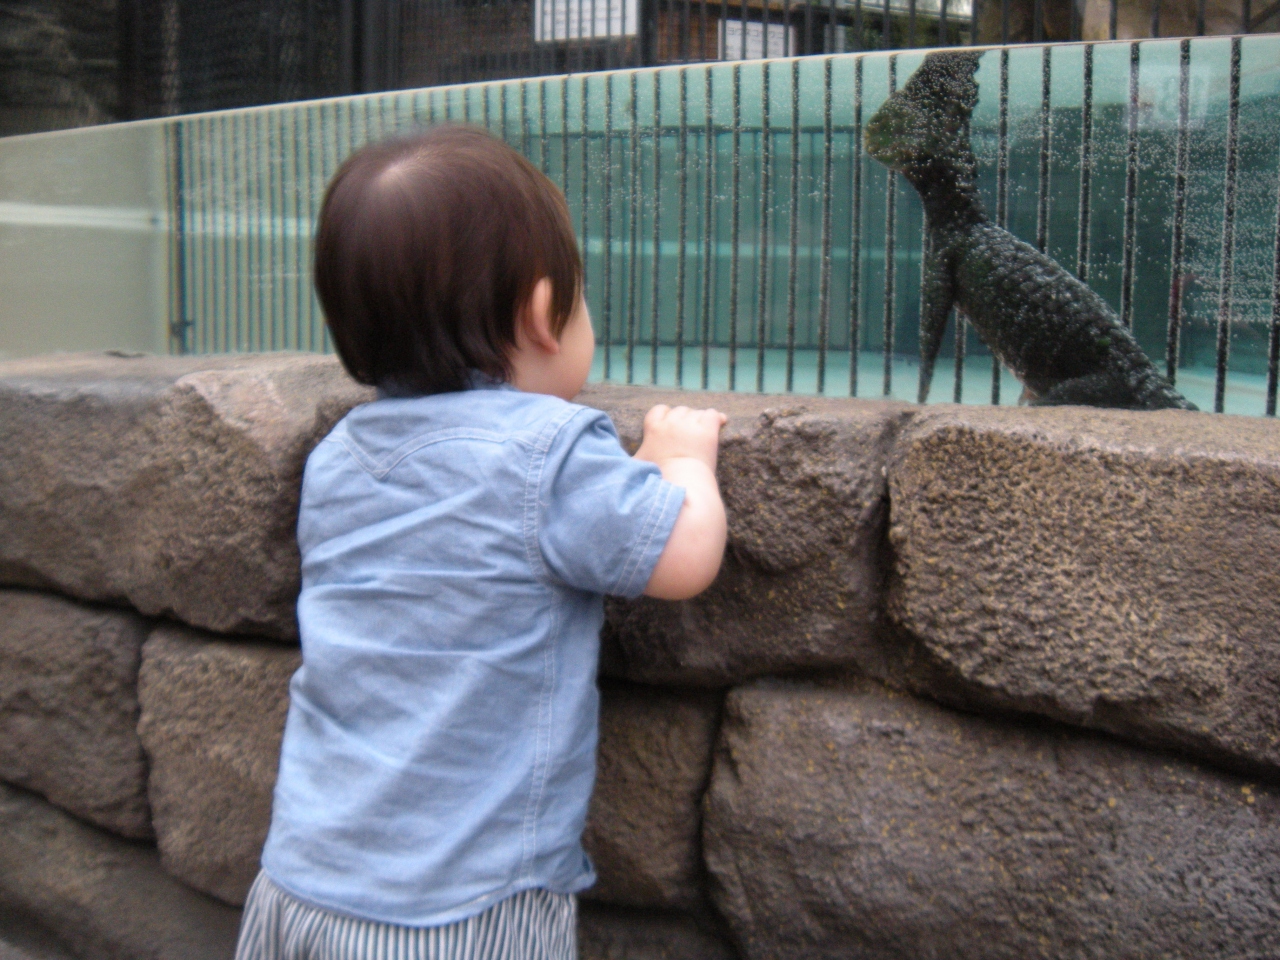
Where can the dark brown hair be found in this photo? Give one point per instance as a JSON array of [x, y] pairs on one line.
[[427, 248]]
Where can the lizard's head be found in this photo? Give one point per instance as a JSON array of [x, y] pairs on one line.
[[928, 118]]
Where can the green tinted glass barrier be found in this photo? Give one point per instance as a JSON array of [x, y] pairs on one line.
[[736, 236]]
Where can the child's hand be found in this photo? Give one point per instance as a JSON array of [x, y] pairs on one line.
[[673, 432], [683, 443]]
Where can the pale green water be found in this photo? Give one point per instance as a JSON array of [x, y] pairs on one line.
[[651, 158]]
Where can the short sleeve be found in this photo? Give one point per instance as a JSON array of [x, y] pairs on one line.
[[603, 517]]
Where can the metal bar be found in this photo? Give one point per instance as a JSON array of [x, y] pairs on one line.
[[208, 248], [724, 30], [763, 257], [793, 266], [1155, 18], [564, 133], [735, 222], [786, 28], [1046, 143], [885, 27], [857, 23], [1086, 166], [702, 38], [586, 180], [682, 176], [1200, 18], [295, 192], [708, 231], [684, 33], [232, 273], [657, 232], [975, 8], [633, 227], [1037, 22], [1228, 232], [1004, 20], [890, 230], [542, 126], [824, 283], [1177, 283], [855, 230], [524, 118], [1002, 191], [1130, 194], [1115, 7], [304, 245], [276, 213], [1273, 346], [743, 15], [607, 200], [911, 22], [178, 328], [1246, 15]]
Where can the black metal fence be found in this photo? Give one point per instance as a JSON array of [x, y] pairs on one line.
[[185, 56]]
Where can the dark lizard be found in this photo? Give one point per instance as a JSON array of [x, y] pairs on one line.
[[1057, 336]]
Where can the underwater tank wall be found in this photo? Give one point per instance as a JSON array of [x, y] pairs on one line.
[[736, 234]]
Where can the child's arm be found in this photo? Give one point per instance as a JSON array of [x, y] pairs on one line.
[[683, 443]]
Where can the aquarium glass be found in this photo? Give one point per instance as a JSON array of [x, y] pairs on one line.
[[736, 236]]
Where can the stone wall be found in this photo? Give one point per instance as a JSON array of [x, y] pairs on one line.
[[973, 683]]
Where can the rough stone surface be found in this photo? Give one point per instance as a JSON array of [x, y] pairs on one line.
[[803, 484], [613, 933], [645, 824], [104, 897], [843, 820], [168, 483], [213, 714], [1100, 567], [69, 708]]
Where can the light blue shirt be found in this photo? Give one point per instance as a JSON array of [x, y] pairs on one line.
[[439, 751]]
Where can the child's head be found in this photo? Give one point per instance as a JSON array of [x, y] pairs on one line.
[[427, 249]]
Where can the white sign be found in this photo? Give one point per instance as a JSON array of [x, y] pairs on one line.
[[731, 40], [584, 19]]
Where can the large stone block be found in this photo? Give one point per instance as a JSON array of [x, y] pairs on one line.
[[612, 933], [1100, 567], [213, 714], [644, 828], [103, 897], [844, 820], [803, 483], [69, 708], [169, 483]]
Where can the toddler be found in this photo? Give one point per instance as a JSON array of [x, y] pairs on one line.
[[458, 534]]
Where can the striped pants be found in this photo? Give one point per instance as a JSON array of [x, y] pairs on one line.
[[531, 925]]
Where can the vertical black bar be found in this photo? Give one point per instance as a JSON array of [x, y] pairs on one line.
[[1155, 18], [1177, 283], [586, 181], [607, 200], [764, 26], [1037, 22], [275, 190], [1228, 232], [1075, 25], [743, 15], [1004, 21], [237, 272], [793, 265], [702, 38], [708, 230], [314, 145], [657, 232], [544, 160], [1086, 166], [633, 226], [824, 282], [564, 132], [1130, 193], [808, 26], [763, 254], [786, 29], [208, 248], [911, 22], [1246, 15], [1200, 18], [1002, 191], [1273, 346], [682, 175], [179, 326], [885, 27], [524, 118], [295, 191], [890, 230], [1046, 133], [975, 9], [735, 223], [855, 231], [684, 32], [857, 23], [1111, 26]]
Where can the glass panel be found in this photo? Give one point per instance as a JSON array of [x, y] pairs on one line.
[[735, 233]]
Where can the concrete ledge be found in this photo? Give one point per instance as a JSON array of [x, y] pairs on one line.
[[69, 708], [105, 898], [844, 820], [170, 484], [613, 933], [803, 483], [1107, 568]]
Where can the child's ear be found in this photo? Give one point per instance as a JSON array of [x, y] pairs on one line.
[[534, 321]]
